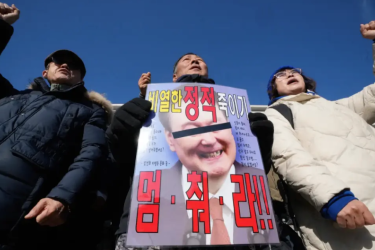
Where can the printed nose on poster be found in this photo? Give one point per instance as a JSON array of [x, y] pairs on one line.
[[208, 138]]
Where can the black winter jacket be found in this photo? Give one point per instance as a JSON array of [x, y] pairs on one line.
[[51, 145]]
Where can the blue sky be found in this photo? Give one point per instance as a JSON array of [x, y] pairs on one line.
[[242, 41]]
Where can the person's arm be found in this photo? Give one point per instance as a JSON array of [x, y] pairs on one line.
[[312, 179], [363, 102], [123, 145], [122, 134], [143, 81], [6, 31], [105, 177], [305, 175], [93, 152], [262, 128], [8, 15]]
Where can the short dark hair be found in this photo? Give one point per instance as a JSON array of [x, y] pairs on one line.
[[179, 59], [310, 84], [164, 117]]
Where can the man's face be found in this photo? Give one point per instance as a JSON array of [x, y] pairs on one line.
[[65, 72], [190, 64], [214, 152]]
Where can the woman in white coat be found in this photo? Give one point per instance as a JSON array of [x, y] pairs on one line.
[[326, 156]]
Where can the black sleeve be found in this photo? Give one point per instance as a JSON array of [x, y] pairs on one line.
[[122, 137], [6, 32], [94, 151], [263, 129], [123, 153]]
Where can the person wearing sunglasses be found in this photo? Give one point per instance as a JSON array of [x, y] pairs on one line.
[[63, 69], [324, 152], [52, 145]]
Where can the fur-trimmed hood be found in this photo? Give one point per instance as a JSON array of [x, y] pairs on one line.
[[103, 102], [40, 84]]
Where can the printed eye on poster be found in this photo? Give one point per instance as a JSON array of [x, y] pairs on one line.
[[199, 178]]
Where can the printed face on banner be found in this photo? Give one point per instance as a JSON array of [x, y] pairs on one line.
[[210, 187], [213, 152]]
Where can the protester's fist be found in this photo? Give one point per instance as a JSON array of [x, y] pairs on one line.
[[143, 81], [368, 30], [9, 14], [355, 215], [48, 212]]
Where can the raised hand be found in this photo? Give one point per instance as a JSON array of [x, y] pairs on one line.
[[355, 215], [143, 81], [9, 14], [368, 30]]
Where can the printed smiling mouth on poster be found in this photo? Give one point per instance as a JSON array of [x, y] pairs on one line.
[[199, 164]]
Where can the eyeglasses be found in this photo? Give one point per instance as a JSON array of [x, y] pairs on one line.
[[285, 73], [72, 64]]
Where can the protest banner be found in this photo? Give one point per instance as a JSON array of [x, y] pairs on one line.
[[199, 177]]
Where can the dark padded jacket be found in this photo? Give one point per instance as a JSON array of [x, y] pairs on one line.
[[51, 145]]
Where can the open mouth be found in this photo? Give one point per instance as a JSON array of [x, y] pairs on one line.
[[211, 155], [291, 81]]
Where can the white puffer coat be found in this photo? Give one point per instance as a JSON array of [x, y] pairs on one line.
[[331, 148]]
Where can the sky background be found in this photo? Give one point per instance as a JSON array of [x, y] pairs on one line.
[[242, 41]]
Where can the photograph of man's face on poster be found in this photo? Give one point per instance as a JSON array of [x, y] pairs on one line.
[[212, 152], [201, 136]]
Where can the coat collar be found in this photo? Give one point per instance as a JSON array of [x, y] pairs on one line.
[[77, 92], [302, 97]]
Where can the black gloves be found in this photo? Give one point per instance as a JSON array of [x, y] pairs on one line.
[[262, 128], [129, 118]]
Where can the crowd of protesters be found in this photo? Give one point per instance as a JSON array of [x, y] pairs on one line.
[[67, 162]]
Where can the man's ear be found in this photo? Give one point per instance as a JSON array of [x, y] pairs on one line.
[[170, 140], [44, 73], [175, 77]]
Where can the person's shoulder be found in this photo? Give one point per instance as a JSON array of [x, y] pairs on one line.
[[100, 106], [100, 102]]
